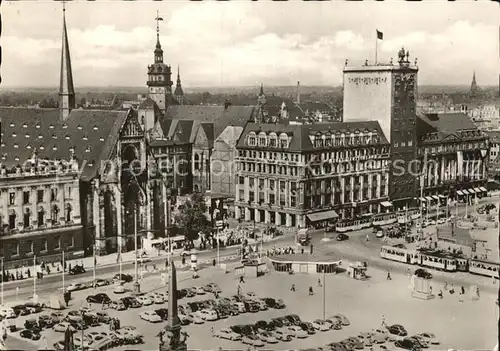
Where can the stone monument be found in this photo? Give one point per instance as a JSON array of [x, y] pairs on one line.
[[172, 338]]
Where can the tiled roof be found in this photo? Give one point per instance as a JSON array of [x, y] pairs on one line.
[[148, 103], [220, 116], [300, 133], [92, 133], [444, 124]]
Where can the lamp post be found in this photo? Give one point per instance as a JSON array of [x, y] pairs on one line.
[[34, 277], [324, 293], [94, 263], [63, 264], [137, 285], [1, 260]]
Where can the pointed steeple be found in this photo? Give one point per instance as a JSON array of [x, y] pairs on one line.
[[179, 94], [158, 49], [66, 89], [261, 89], [473, 86]]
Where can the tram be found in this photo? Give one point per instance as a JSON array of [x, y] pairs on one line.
[[440, 261], [357, 224]]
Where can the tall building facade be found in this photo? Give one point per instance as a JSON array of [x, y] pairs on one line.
[[298, 175], [387, 93]]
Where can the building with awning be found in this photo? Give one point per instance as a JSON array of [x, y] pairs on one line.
[[322, 216]]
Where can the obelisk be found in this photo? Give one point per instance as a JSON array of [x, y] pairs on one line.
[[172, 338]]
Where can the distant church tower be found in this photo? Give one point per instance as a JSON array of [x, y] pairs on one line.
[[159, 74], [473, 87], [179, 94], [66, 89]]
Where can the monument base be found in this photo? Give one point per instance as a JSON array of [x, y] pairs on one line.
[[137, 287], [422, 295]]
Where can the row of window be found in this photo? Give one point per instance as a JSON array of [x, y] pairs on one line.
[[454, 147], [43, 245], [41, 220], [272, 140], [284, 156], [403, 143], [39, 196], [328, 140]]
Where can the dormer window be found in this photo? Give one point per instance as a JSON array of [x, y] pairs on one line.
[[54, 136], [40, 136], [42, 147], [79, 127], [16, 146], [25, 125], [16, 158], [28, 146], [37, 126], [3, 157], [14, 135], [90, 164], [87, 149], [85, 137], [27, 136], [2, 145], [101, 139], [65, 126], [12, 125], [67, 137], [95, 128], [51, 126]]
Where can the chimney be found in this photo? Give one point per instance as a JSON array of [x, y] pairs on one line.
[[298, 92], [227, 103]]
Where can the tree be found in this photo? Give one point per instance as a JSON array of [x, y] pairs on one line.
[[192, 217]]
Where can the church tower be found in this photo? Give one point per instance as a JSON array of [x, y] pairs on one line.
[[473, 86], [159, 74], [179, 94], [66, 89]]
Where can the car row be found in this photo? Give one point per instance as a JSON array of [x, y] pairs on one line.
[[103, 340]]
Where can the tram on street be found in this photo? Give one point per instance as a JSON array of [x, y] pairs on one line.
[[357, 224], [480, 267]]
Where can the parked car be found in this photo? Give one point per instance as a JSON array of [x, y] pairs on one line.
[[267, 337], [77, 269], [342, 237], [321, 325], [99, 298], [191, 292], [144, 300], [157, 298], [163, 313], [431, 338], [422, 273], [208, 315], [335, 323], [212, 287], [75, 287], [150, 316], [33, 307], [19, 310], [118, 305], [282, 335], [343, 319], [294, 319], [119, 289], [131, 302], [397, 329], [297, 331], [101, 282], [252, 340], [30, 334], [7, 312], [354, 343], [242, 329], [240, 306], [45, 321], [421, 342], [330, 229], [127, 278], [227, 333], [262, 304], [200, 291], [308, 327], [196, 319], [57, 317], [74, 317], [407, 344]]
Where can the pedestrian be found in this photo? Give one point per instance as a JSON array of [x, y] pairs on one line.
[[311, 291], [242, 280], [445, 286], [477, 291], [430, 289], [383, 321], [463, 290], [440, 294], [367, 237], [389, 276], [319, 282], [302, 251], [212, 329], [292, 288], [239, 290]]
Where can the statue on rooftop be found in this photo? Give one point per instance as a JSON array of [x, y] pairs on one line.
[[401, 55]]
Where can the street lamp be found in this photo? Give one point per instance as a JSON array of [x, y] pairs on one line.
[[137, 285], [35, 274], [324, 293], [1, 260]]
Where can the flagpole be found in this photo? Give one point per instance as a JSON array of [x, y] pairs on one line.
[[376, 47]]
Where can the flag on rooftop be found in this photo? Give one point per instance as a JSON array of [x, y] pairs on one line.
[[380, 35]]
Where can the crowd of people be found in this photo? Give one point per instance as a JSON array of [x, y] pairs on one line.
[[40, 270]]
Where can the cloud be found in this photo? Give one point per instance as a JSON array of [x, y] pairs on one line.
[[215, 44]]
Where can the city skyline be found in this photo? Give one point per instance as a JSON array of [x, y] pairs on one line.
[[243, 44]]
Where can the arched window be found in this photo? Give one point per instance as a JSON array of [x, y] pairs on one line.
[[328, 139], [197, 162], [262, 139], [283, 140], [69, 212], [12, 220], [26, 218], [318, 140], [252, 139], [273, 140], [54, 214], [41, 216]]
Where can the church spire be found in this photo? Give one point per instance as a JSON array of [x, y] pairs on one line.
[[179, 94], [158, 49], [66, 89], [473, 86]]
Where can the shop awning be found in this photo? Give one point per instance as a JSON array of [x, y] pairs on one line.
[[428, 198], [466, 192], [423, 199], [442, 196], [386, 203], [477, 190], [460, 192], [322, 216], [435, 197], [483, 189]]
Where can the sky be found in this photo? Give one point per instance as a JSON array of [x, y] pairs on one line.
[[243, 43]]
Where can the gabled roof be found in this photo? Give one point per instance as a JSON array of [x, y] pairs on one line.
[[300, 140], [494, 136], [230, 136], [92, 133], [219, 115], [445, 125]]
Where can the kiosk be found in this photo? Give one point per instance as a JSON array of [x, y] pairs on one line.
[[357, 271]]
